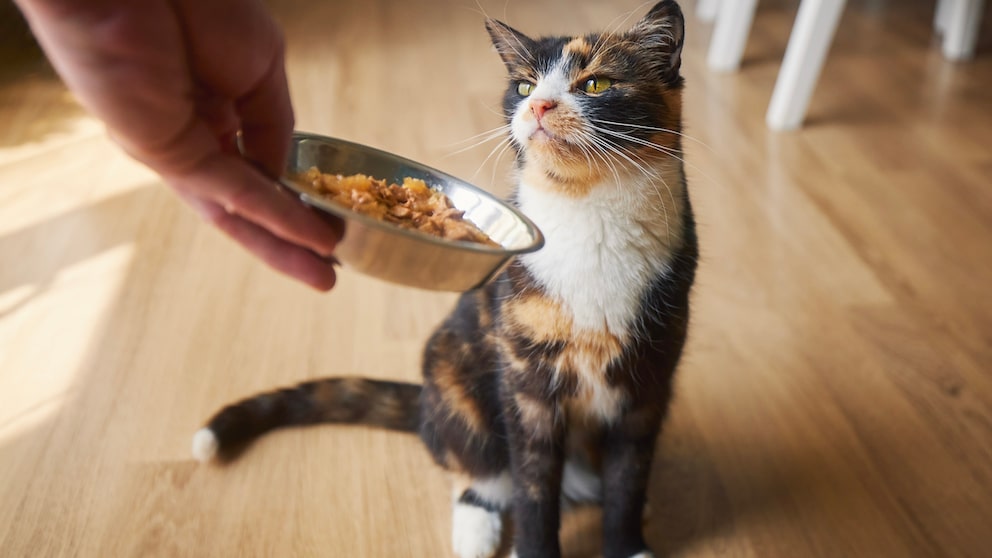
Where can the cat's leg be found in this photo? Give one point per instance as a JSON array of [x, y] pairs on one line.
[[477, 517], [628, 449], [537, 449]]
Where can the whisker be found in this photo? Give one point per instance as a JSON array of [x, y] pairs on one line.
[[609, 151], [611, 161], [507, 116], [674, 154], [613, 28], [529, 58], [499, 156], [644, 142], [492, 135], [654, 129], [498, 129], [659, 176], [505, 140], [584, 147], [604, 156], [617, 148], [619, 151], [479, 9]]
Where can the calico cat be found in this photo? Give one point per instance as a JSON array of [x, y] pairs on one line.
[[551, 383]]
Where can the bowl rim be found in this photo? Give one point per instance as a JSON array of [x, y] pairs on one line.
[[310, 199]]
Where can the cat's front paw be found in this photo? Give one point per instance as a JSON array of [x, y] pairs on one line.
[[644, 554], [475, 532]]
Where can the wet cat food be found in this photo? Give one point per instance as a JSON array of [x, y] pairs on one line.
[[411, 205]]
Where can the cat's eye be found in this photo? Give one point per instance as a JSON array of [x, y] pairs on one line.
[[596, 85], [525, 88]]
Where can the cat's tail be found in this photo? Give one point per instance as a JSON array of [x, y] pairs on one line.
[[392, 405]]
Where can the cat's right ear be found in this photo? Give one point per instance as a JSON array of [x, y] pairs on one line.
[[515, 48], [663, 32]]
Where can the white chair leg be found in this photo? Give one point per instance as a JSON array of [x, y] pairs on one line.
[[809, 42], [961, 32], [706, 10], [733, 23], [940, 17]]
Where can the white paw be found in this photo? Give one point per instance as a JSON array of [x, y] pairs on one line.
[[475, 532], [204, 445]]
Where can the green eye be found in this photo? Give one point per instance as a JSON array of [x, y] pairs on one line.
[[597, 85], [525, 88]]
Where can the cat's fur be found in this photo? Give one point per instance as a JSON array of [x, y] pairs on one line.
[[552, 382]]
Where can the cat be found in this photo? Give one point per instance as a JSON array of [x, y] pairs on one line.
[[551, 383]]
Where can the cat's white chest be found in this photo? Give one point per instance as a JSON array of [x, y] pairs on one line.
[[601, 253]]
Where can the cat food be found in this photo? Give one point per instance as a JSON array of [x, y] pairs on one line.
[[412, 205]]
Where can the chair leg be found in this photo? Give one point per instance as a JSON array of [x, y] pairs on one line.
[[961, 32], [706, 10], [733, 23], [809, 42]]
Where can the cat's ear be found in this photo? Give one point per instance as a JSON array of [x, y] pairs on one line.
[[515, 48], [663, 31]]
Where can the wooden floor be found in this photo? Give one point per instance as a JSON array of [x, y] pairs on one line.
[[836, 395]]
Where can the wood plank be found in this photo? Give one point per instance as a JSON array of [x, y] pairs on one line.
[[835, 398]]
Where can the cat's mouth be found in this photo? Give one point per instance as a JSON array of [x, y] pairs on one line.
[[552, 143], [542, 134]]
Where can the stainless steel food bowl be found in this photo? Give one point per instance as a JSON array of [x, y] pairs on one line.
[[407, 257]]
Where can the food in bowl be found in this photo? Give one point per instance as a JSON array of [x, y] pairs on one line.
[[411, 205]]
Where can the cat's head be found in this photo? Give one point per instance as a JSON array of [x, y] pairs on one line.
[[582, 109]]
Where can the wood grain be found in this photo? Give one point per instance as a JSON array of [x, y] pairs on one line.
[[835, 399]]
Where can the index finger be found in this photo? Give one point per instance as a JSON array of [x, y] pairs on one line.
[[228, 181], [237, 51], [267, 118]]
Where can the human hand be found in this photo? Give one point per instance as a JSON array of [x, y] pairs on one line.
[[174, 81]]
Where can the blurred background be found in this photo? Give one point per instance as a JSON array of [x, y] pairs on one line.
[[836, 394]]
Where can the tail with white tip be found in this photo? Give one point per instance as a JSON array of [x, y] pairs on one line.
[[391, 405]]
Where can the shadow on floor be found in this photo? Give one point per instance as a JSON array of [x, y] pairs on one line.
[[70, 238], [33, 98]]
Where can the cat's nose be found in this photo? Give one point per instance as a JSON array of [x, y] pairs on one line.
[[541, 106]]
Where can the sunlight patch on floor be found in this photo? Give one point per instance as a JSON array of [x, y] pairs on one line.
[[36, 377], [71, 130], [34, 189]]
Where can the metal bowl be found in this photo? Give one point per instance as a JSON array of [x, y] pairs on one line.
[[388, 252]]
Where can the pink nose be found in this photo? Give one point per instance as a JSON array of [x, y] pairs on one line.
[[541, 106]]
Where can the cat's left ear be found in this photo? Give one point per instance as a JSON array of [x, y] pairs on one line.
[[513, 47], [663, 29]]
